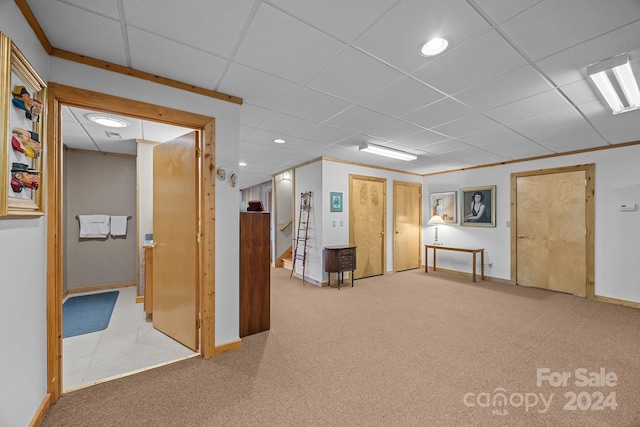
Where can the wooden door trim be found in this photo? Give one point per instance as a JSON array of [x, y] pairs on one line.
[[589, 172], [59, 95], [384, 213], [417, 185]]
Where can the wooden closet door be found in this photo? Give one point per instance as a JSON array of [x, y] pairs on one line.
[[407, 224], [367, 218]]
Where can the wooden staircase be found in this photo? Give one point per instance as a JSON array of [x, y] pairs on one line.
[[286, 259]]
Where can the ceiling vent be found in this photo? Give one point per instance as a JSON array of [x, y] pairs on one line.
[[113, 135]]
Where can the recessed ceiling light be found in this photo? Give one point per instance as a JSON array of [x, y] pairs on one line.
[[242, 164], [279, 141], [111, 122], [434, 47]]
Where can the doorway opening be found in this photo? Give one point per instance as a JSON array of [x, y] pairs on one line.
[[202, 317]]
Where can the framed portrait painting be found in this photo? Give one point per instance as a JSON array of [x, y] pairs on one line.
[[444, 205], [336, 202], [478, 206], [23, 143]]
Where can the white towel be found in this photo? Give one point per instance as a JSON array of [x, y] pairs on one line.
[[90, 229], [118, 225]]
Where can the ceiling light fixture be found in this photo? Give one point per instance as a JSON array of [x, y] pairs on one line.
[[242, 164], [434, 47], [279, 141], [614, 79], [387, 152], [108, 121]]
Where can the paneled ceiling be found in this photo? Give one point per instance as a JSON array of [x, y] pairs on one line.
[[326, 75]]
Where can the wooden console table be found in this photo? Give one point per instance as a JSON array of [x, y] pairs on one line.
[[338, 259], [450, 248]]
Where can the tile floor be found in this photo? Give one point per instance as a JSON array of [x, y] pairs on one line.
[[129, 344]]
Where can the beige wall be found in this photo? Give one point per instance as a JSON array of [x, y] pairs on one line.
[[99, 184]]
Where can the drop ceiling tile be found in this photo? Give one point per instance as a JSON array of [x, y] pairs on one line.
[[516, 149], [252, 115], [575, 142], [438, 113], [313, 105], [444, 146], [617, 128], [552, 26], [579, 92], [483, 58], [100, 7], [279, 44], [475, 156], [465, 126], [529, 107], [393, 129], [344, 77], [255, 87], [326, 134], [127, 146], [516, 85], [205, 25], [357, 119], [344, 20], [157, 55], [261, 147], [161, 132], [284, 124], [547, 121], [502, 11], [488, 136], [399, 35], [570, 65], [245, 131], [401, 97], [421, 139], [543, 135], [101, 37]]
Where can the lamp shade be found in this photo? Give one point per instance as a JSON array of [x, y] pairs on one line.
[[435, 220]]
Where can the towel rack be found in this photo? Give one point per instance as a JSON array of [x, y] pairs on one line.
[[128, 216]]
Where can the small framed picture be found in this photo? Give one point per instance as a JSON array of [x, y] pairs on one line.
[[444, 205], [221, 172], [478, 206], [336, 202]]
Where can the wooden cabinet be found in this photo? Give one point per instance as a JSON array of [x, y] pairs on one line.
[[255, 273], [338, 259]]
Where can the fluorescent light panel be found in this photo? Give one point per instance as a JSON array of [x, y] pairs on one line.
[[387, 152], [614, 79]]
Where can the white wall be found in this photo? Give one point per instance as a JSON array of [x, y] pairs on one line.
[[332, 228], [283, 213], [144, 168], [23, 306], [617, 234]]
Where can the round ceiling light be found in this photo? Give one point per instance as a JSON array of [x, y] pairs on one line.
[[242, 164], [279, 141], [434, 47], [108, 121]]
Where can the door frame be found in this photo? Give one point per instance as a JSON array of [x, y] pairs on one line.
[[589, 173], [59, 95], [417, 185]]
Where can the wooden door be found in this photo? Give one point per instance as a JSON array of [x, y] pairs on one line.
[[367, 218], [407, 224], [551, 235], [175, 228]]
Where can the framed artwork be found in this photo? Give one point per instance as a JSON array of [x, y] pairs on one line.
[[336, 202], [444, 205], [478, 206], [233, 179], [221, 172], [22, 121]]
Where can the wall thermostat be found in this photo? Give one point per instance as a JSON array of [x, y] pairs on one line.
[[626, 207]]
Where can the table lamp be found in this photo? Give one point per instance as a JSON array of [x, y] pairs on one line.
[[436, 220]]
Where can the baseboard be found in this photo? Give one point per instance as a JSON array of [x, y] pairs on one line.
[[307, 280], [623, 302], [41, 411], [102, 287], [228, 347]]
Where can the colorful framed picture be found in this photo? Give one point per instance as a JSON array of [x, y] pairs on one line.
[[24, 144], [478, 206], [335, 200], [444, 205]]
